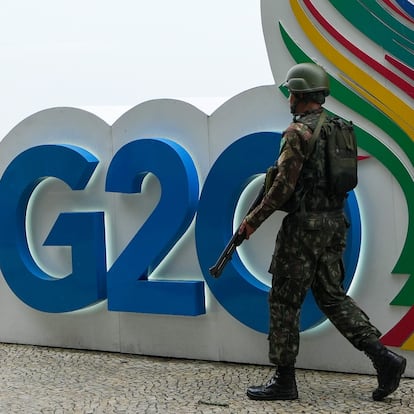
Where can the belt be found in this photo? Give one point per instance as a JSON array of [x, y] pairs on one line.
[[320, 213]]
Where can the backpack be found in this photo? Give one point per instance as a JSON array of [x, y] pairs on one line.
[[338, 171], [340, 153]]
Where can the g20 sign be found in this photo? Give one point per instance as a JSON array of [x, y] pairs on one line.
[[127, 282], [158, 190]]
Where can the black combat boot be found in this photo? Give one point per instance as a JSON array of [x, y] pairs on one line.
[[389, 366], [282, 386]]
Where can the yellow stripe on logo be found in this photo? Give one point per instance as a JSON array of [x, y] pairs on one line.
[[373, 91]]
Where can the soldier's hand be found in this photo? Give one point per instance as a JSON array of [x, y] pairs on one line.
[[247, 229]]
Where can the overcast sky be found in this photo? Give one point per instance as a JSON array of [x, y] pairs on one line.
[[107, 52]]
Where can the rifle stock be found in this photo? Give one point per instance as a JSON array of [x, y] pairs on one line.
[[234, 242]]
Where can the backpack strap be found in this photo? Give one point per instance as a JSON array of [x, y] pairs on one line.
[[312, 142], [316, 132]]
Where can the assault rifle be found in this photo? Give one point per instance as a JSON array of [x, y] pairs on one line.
[[234, 242]]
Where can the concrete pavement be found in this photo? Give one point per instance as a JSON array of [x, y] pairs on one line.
[[60, 381]]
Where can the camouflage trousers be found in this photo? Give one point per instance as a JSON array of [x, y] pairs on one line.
[[308, 255]]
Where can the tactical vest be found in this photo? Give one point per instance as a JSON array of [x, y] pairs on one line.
[[311, 193]]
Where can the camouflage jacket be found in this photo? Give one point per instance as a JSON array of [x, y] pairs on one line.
[[294, 155]]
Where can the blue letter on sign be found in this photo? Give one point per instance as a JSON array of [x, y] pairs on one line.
[[129, 289], [84, 231], [237, 290]]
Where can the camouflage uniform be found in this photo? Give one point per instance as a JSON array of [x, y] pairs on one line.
[[309, 247]]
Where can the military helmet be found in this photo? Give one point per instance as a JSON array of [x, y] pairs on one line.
[[306, 78]]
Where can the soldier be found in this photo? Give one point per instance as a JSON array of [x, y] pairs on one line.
[[309, 248]]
